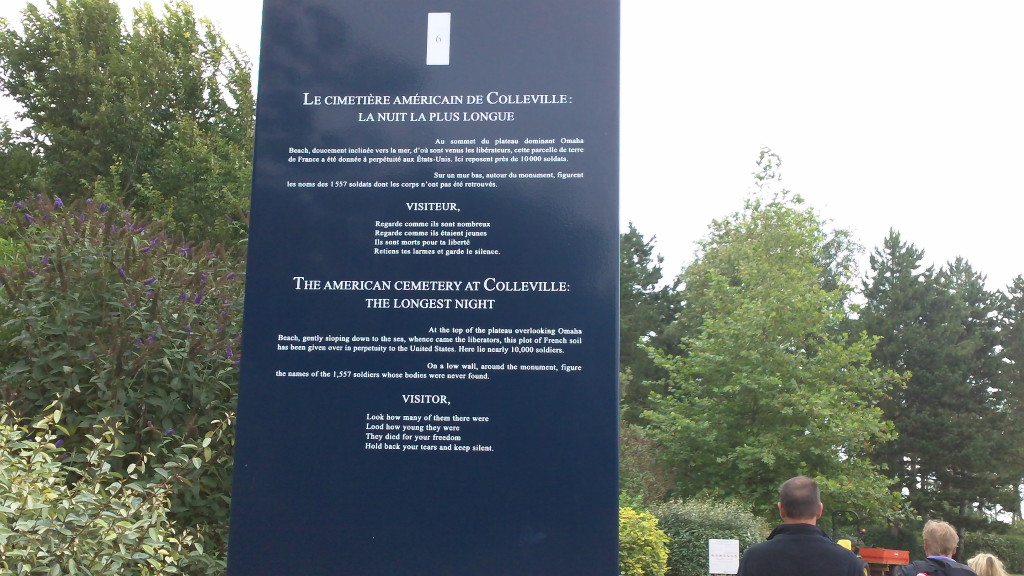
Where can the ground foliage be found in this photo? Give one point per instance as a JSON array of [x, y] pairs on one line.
[[67, 512]]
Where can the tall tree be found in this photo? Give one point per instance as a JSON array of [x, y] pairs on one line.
[[942, 329], [159, 113], [768, 385], [646, 308], [1012, 395]]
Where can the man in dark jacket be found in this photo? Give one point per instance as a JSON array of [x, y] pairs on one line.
[[940, 542], [798, 547]]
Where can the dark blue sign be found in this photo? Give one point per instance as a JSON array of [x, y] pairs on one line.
[[429, 378]]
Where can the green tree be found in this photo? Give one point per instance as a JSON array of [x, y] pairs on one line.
[[768, 385], [942, 329], [1012, 396], [979, 478], [19, 164], [158, 114], [646, 309]]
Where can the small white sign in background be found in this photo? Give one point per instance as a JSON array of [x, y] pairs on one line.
[[723, 556]]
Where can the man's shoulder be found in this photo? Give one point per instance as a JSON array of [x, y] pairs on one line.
[[807, 540], [789, 553], [936, 567]]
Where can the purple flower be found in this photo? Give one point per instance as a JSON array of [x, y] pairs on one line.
[[59, 442], [188, 330], [104, 208], [183, 297], [151, 339], [169, 432], [229, 353], [149, 280], [230, 275], [46, 260], [58, 203], [19, 205], [120, 272], [30, 219], [198, 298]]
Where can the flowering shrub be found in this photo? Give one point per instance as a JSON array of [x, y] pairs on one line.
[[134, 335]]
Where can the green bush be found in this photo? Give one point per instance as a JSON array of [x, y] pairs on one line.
[[1008, 547], [691, 523], [118, 323], [642, 545], [79, 516]]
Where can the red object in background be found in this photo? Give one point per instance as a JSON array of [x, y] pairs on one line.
[[883, 556]]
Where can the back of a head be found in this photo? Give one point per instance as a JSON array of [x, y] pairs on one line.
[[800, 498], [987, 565], [940, 538]]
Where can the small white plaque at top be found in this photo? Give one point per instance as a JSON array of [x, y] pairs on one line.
[[439, 27]]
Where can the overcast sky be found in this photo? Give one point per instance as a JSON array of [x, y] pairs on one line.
[[906, 114]]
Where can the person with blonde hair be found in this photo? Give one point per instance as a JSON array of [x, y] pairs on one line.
[[987, 565], [940, 543]]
